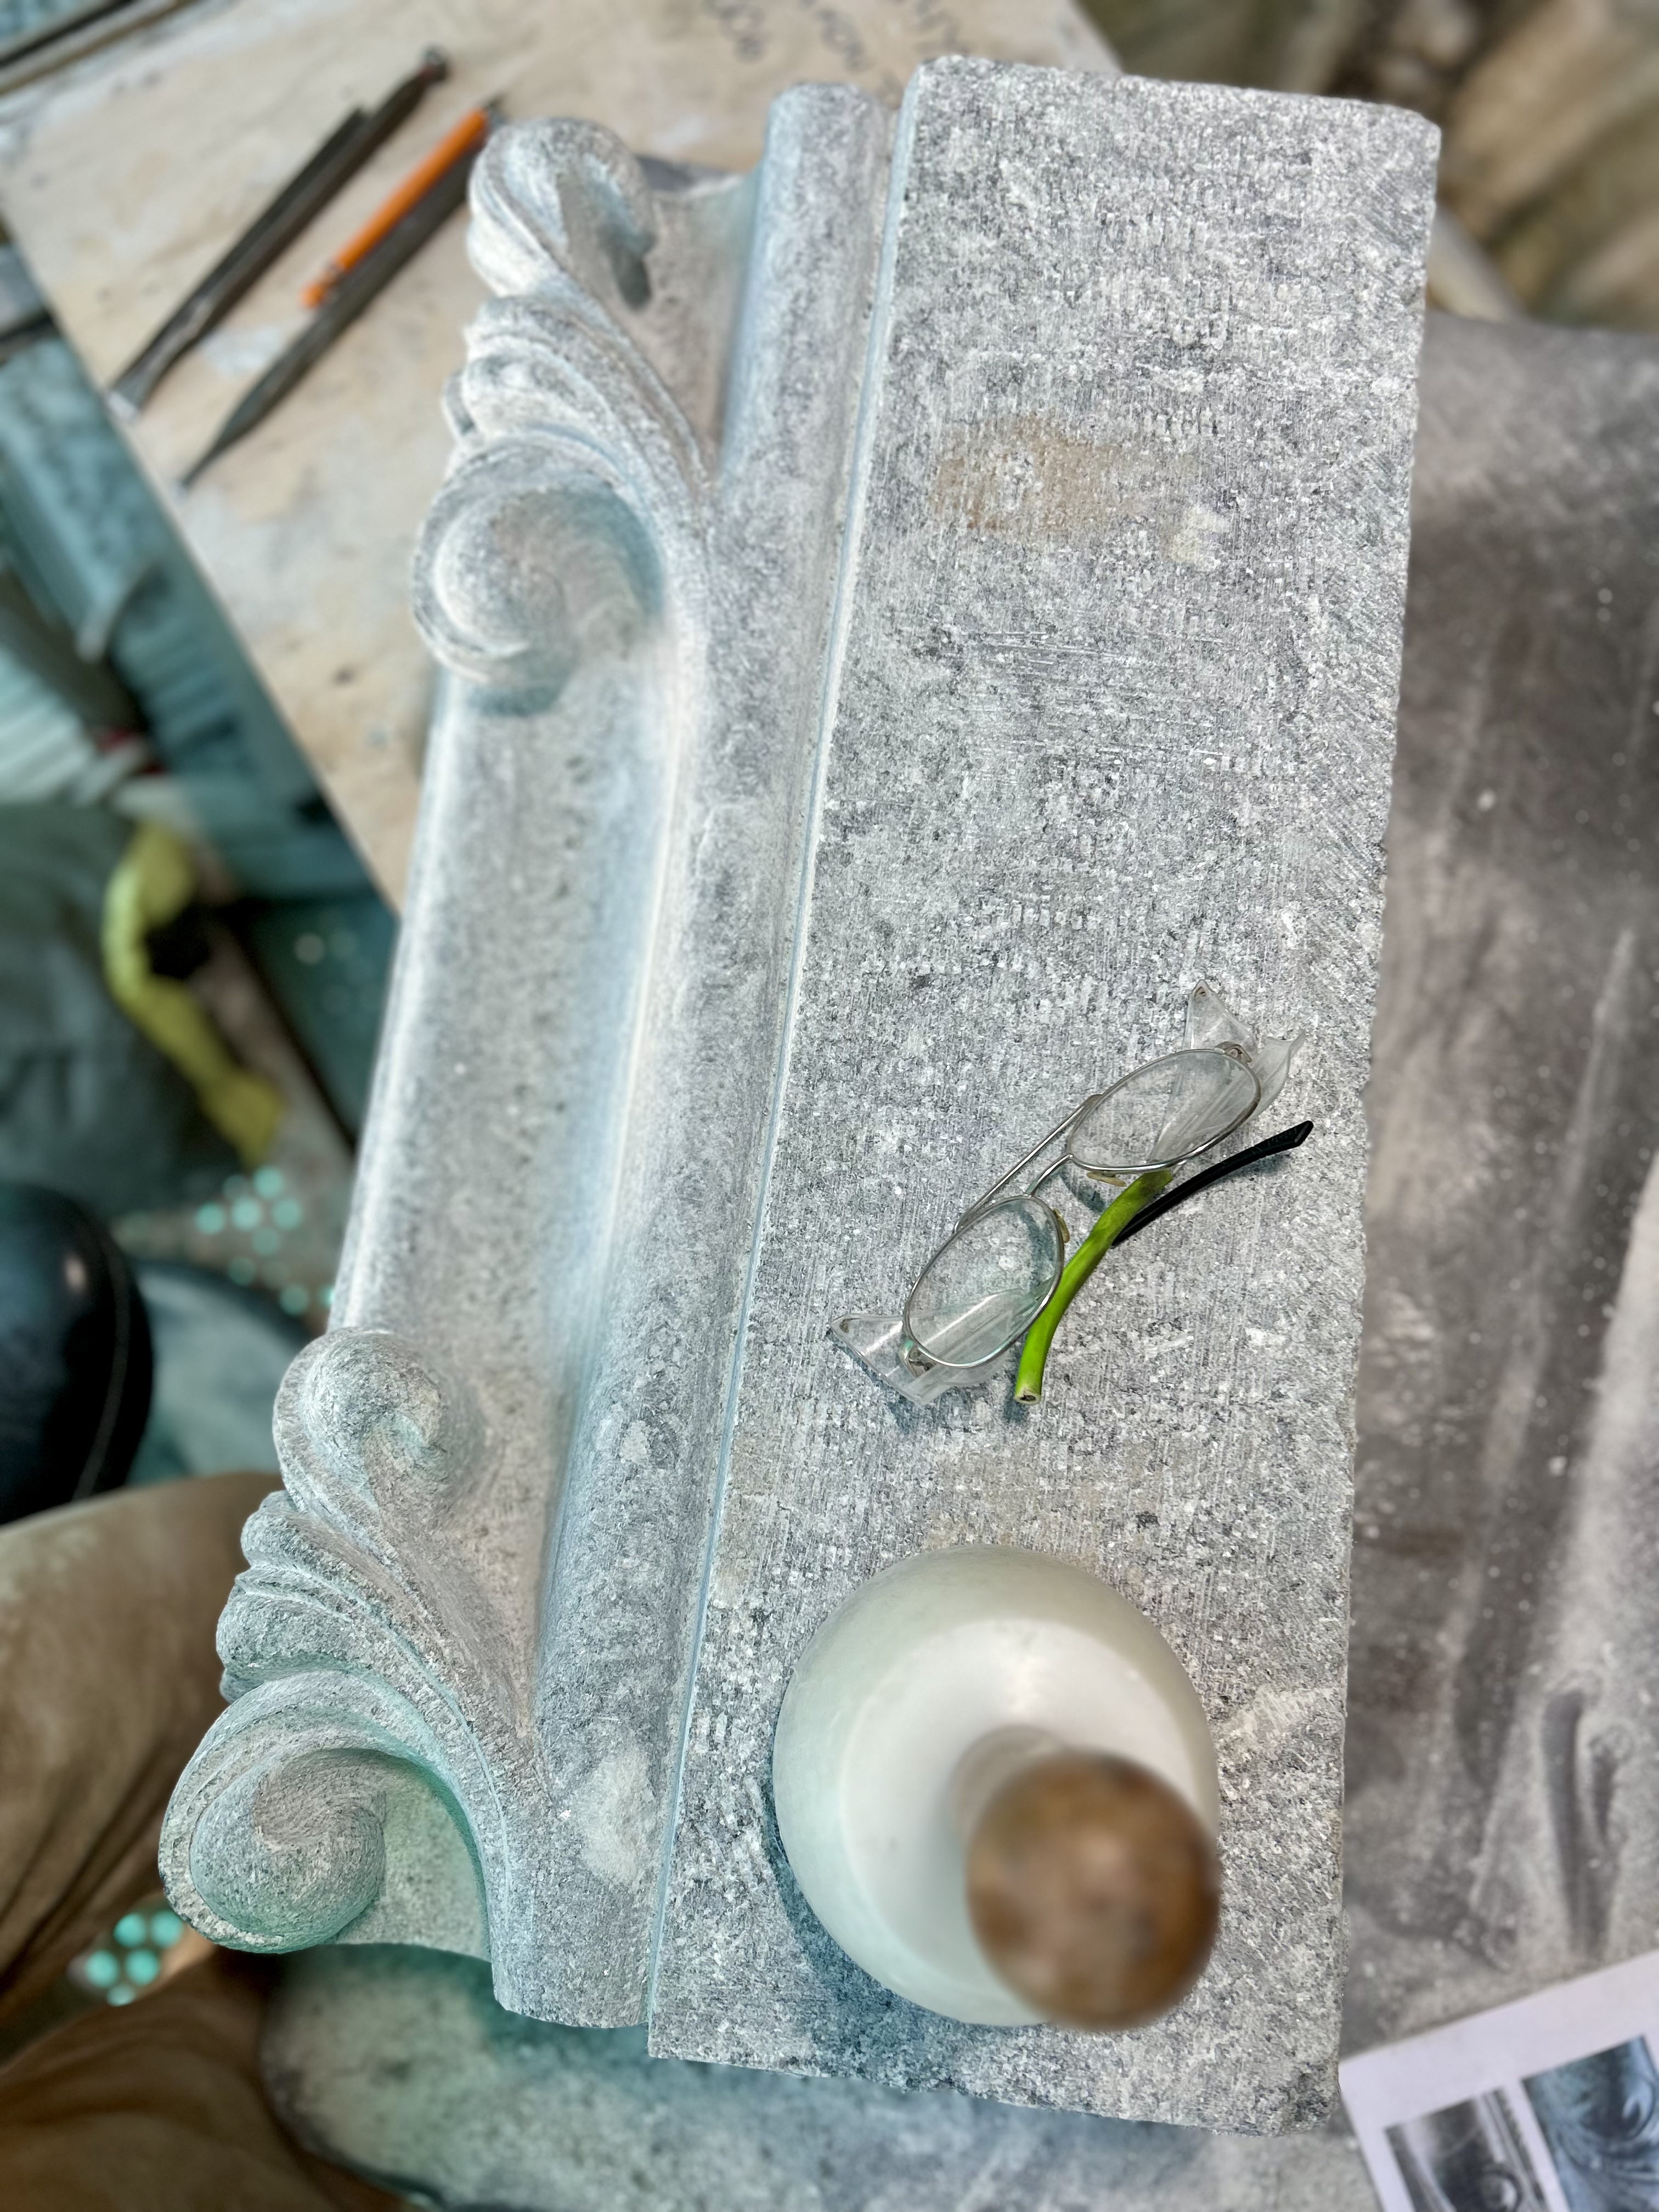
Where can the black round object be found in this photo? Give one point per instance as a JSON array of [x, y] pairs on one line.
[[75, 1353]]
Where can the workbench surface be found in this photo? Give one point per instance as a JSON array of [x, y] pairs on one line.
[[124, 177]]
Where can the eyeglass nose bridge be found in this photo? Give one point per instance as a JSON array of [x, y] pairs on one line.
[[998, 1190]]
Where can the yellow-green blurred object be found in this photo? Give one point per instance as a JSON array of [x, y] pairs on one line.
[[153, 883]]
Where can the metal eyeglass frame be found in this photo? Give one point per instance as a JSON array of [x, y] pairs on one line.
[[888, 1347], [1119, 1171]]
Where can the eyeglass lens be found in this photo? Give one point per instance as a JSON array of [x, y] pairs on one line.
[[988, 1285], [1164, 1113]]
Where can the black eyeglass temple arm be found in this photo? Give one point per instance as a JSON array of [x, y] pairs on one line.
[[1285, 1141]]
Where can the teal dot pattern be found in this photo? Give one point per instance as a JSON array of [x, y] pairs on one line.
[[260, 1214], [131, 1955]]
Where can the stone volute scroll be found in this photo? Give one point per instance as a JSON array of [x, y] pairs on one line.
[[570, 528], [361, 1695], [916, 621]]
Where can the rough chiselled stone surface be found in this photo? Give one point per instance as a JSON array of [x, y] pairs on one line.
[[910, 614], [1111, 710]]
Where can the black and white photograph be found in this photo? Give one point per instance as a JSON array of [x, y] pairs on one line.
[[1550, 2105], [1600, 2116], [1467, 2155]]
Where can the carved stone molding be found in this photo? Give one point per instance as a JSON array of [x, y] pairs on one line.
[[571, 527], [358, 1637], [456, 1716]]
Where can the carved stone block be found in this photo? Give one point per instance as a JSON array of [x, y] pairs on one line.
[[912, 611]]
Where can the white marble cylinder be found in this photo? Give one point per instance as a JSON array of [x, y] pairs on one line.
[[914, 1704]]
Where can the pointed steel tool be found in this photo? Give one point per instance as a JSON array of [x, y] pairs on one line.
[[355, 292], [300, 200]]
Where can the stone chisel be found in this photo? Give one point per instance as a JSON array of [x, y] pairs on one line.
[[40, 34], [338, 160], [345, 303]]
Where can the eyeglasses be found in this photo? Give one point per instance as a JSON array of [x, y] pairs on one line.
[[985, 1285]]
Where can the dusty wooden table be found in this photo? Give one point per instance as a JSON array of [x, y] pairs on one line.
[[124, 177]]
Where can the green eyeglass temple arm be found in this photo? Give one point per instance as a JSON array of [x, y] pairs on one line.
[[1134, 1210], [1034, 1358]]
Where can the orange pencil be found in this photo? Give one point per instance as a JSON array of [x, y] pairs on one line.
[[472, 129]]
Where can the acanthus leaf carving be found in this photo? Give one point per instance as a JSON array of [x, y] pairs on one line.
[[571, 523], [349, 1655]]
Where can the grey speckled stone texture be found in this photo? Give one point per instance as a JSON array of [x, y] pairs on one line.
[[1112, 707], [1499, 1771]]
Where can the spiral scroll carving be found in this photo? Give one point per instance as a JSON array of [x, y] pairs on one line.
[[571, 523], [296, 1864], [359, 1653]]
